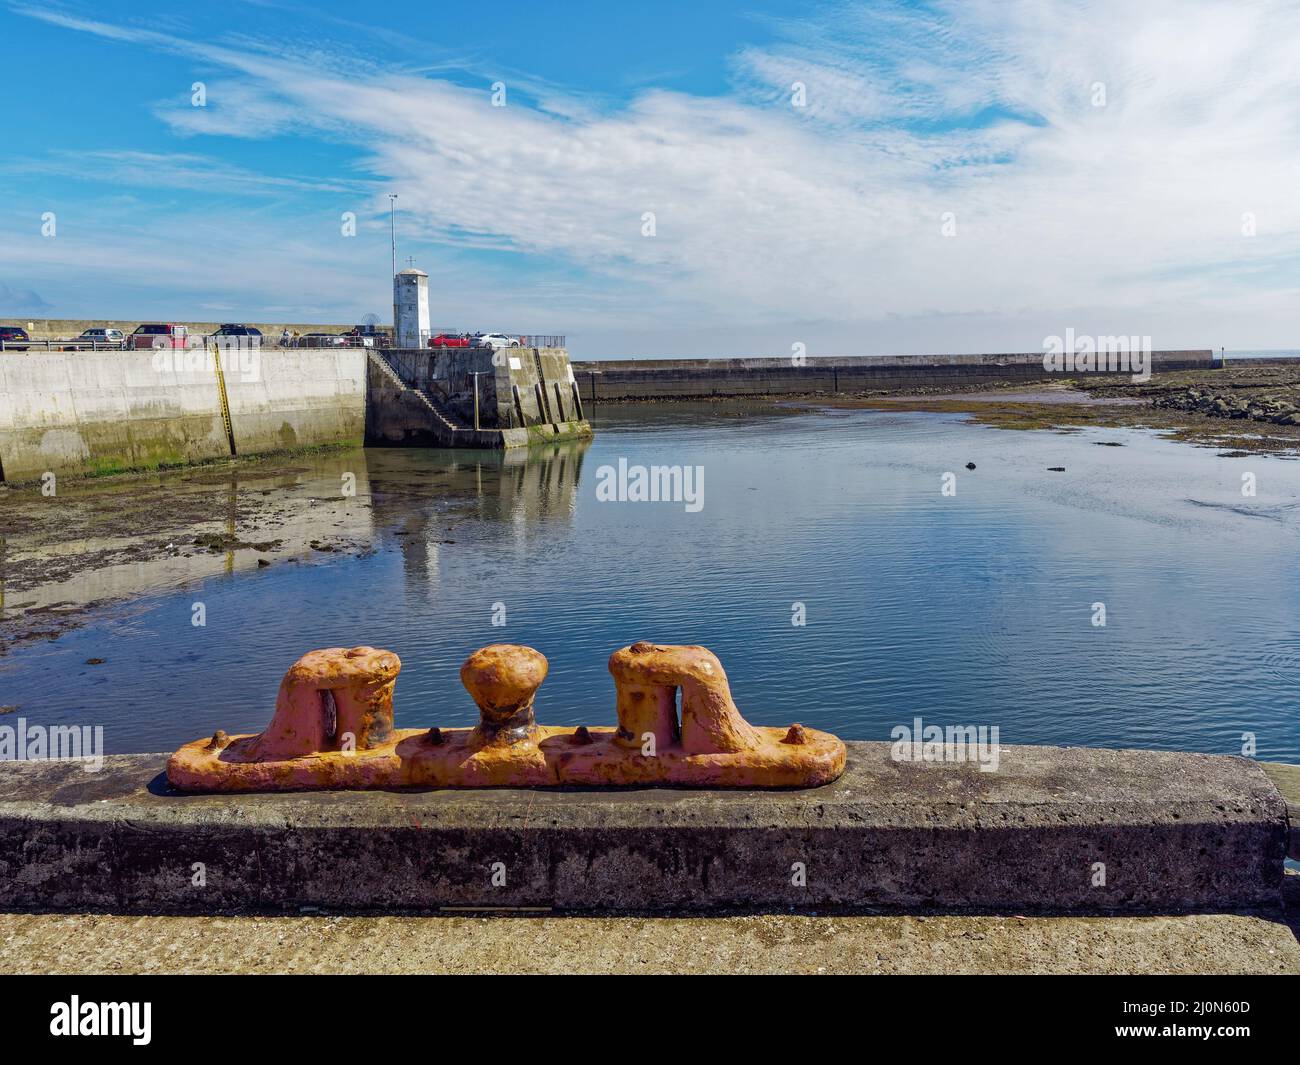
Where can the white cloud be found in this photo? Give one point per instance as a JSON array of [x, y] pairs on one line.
[[176, 170], [768, 215], [230, 109]]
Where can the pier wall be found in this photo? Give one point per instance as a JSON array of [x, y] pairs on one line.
[[691, 378], [420, 397], [446, 373], [102, 412], [1176, 833]]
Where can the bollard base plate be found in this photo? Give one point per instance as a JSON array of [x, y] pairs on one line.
[[552, 756]]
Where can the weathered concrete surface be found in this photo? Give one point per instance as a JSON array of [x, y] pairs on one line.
[[769, 943], [691, 378], [445, 372], [1176, 833], [89, 412], [1286, 778], [299, 398], [425, 398]]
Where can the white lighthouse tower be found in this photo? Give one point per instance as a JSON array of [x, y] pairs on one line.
[[411, 307]]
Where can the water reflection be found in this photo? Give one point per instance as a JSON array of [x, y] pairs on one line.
[[973, 609], [99, 542], [94, 542], [421, 504]]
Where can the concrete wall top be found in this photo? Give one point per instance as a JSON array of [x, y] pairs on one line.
[[1178, 832]]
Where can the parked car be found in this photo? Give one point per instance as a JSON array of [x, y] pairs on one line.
[[357, 337], [321, 340], [449, 340], [158, 335], [234, 335], [11, 335], [495, 340], [102, 338]]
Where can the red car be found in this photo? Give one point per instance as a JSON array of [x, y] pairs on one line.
[[449, 340], [158, 335]]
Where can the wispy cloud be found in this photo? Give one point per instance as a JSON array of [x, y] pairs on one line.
[[768, 213], [174, 170]]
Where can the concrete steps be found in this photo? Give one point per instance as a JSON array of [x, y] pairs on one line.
[[1052, 830], [441, 411], [438, 411], [444, 423]]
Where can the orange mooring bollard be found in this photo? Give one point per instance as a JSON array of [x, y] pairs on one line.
[[333, 728]]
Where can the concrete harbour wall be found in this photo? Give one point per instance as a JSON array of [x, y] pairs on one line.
[[1176, 833], [690, 378], [417, 397], [543, 376], [102, 412]]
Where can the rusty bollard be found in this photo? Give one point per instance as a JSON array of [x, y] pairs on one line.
[[333, 728], [503, 680]]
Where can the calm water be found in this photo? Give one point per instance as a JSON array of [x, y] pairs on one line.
[[972, 609]]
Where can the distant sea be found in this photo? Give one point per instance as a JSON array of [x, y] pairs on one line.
[[1267, 353]]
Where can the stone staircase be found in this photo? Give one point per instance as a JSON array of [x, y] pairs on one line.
[[440, 408], [445, 421]]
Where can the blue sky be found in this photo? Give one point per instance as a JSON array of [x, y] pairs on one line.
[[951, 177]]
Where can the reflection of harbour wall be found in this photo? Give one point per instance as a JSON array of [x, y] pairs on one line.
[[98, 412], [519, 487], [687, 378], [314, 511], [541, 484], [535, 484]]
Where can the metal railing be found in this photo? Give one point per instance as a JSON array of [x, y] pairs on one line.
[[526, 340], [330, 341], [61, 345], [196, 340]]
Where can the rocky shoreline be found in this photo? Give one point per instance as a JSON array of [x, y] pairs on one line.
[[1278, 408], [1242, 408]]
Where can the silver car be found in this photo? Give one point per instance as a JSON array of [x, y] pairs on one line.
[[495, 340], [102, 338]]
